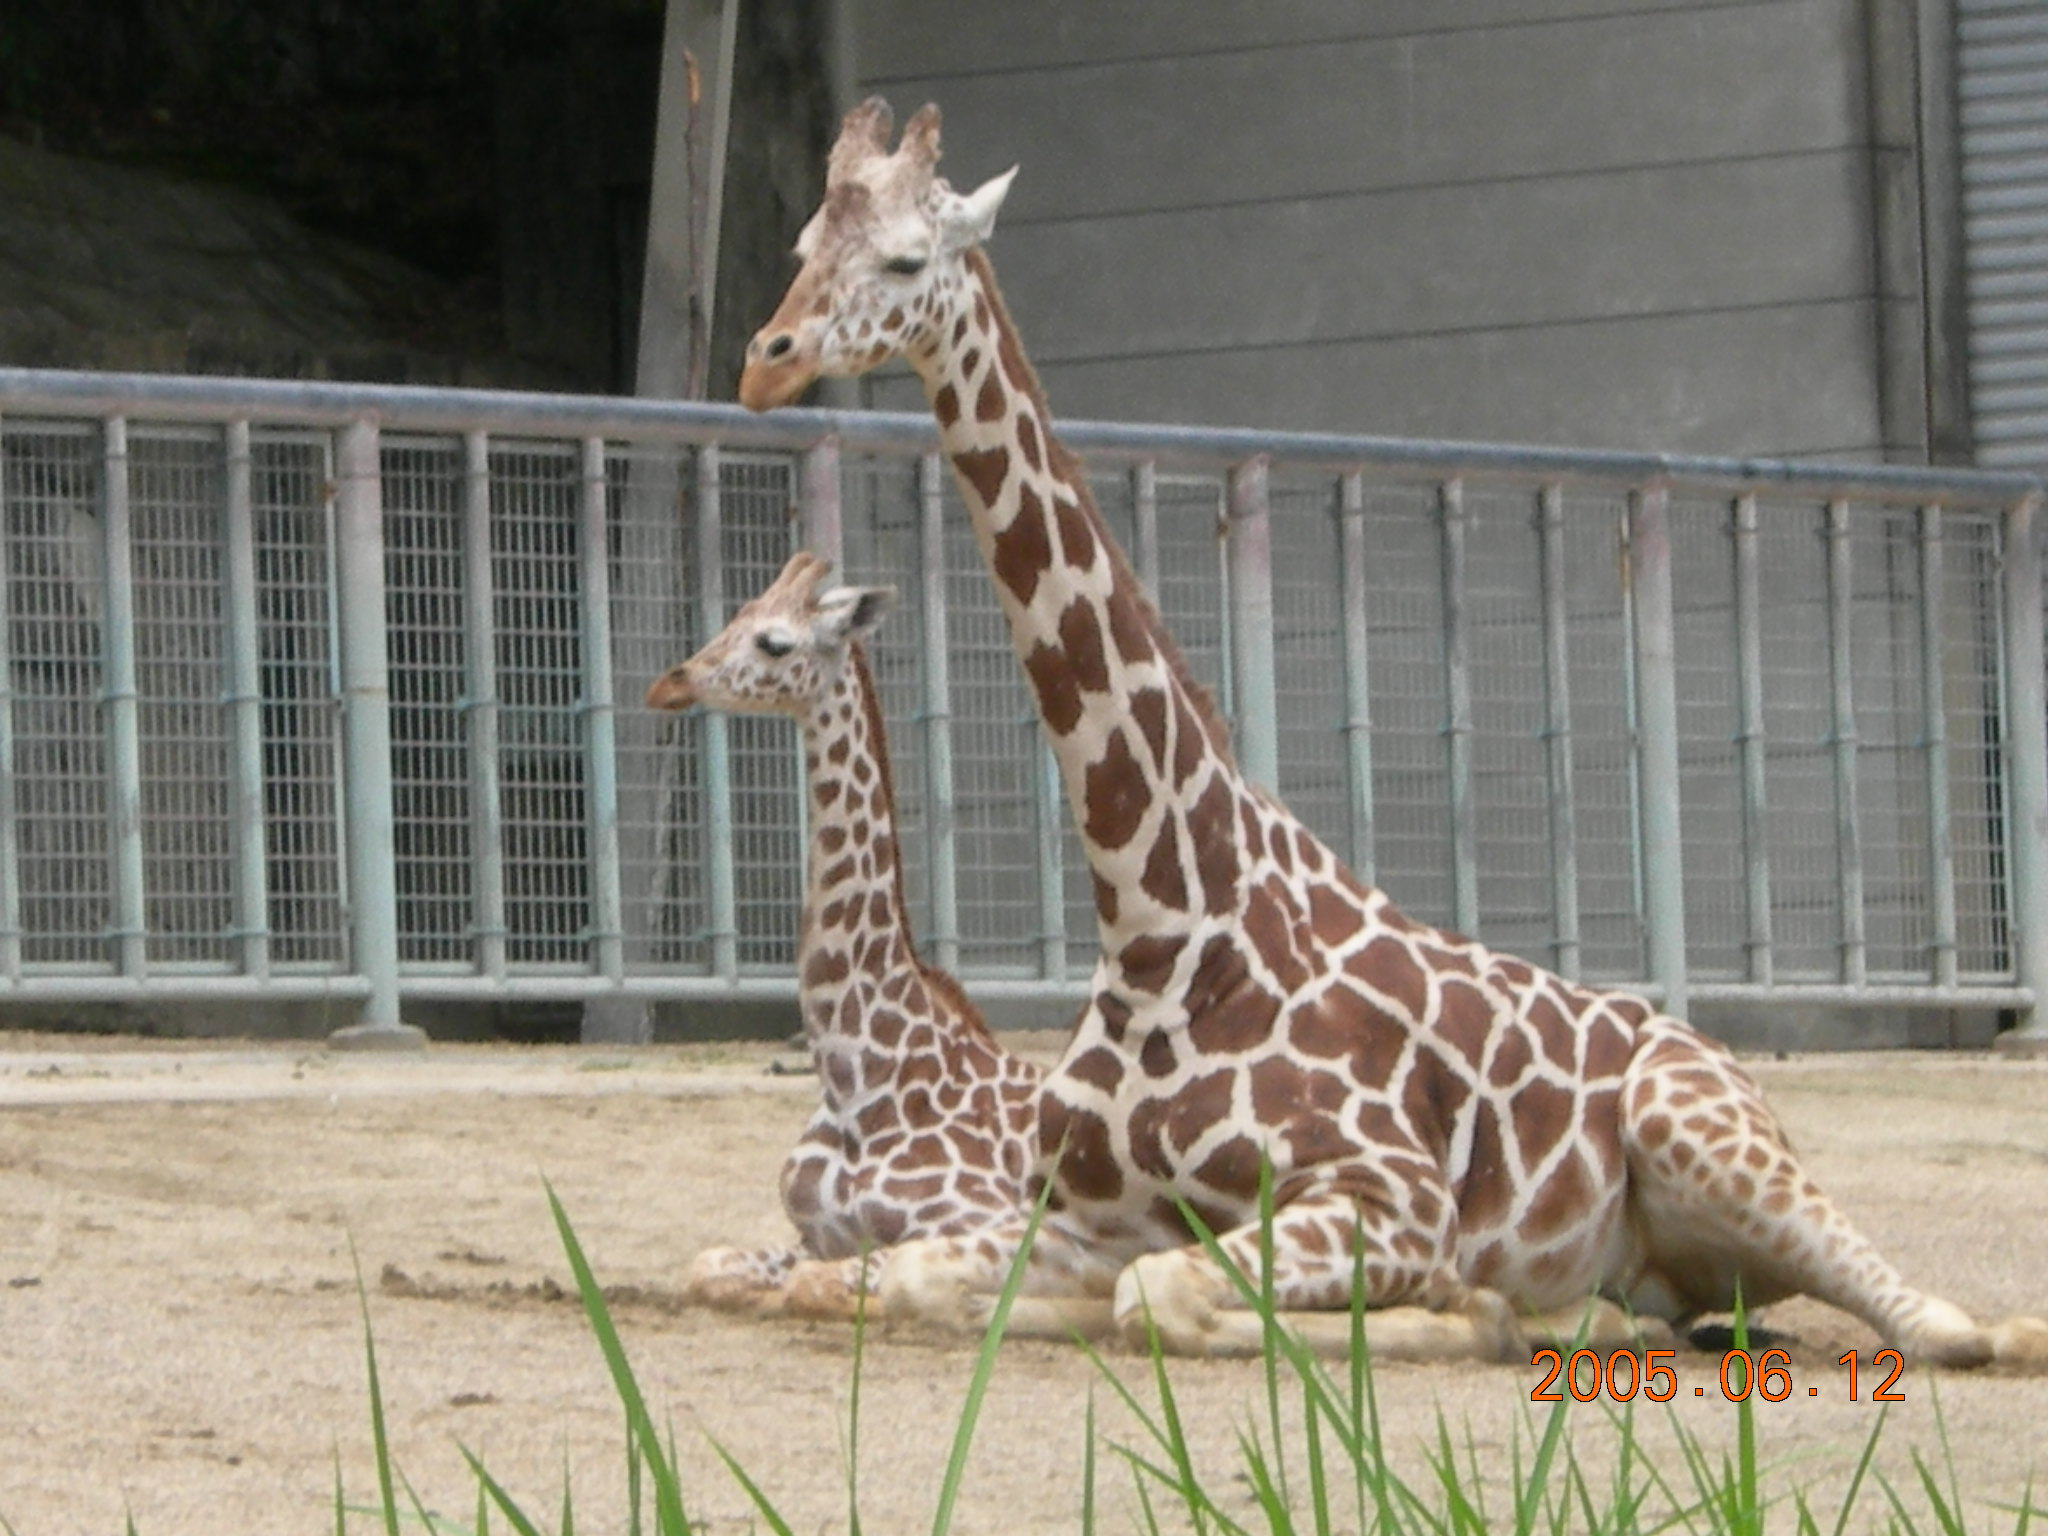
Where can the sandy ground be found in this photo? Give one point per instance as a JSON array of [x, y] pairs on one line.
[[181, 1338]]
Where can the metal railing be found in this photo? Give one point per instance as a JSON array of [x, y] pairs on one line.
[[333, 690]]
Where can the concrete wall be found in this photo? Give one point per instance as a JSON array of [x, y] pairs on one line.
[[1646, 224]]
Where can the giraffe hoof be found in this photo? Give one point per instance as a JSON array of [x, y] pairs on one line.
[[731, 1293], [1497, 1330], [919, 1286], [831, 1292], [728, 1280], [1167, 1297], [1946, 1335], [2020, 1341]]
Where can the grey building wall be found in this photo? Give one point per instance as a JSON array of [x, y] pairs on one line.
[[1648, 224]]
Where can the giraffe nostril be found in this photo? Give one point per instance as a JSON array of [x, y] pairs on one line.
[[779, 347]]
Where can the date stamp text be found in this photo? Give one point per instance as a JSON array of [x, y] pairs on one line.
[[1619, 1376]]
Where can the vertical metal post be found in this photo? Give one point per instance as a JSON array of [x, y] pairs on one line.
[[244, 705], [1145, 520], [1941, 859], [1251, 623], [941, 828], [1841, 678], [2026, 771], [371, 848], [1351, 568], [480, 684], [1649, 547], [819, 502], [129, 916], [10, 835], [721, 883], [600, 734], [1458, 710], [1750, 743], [1557, 734]]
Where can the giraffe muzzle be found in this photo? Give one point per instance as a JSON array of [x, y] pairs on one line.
[[672, 691], [779, 368]]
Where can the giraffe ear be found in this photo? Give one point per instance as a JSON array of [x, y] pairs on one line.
[[966, 220], [851, 613]]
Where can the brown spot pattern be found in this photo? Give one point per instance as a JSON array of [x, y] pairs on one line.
[[1116, 793]]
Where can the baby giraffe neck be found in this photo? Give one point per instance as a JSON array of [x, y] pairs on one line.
[[855, 927], [1145, 761]]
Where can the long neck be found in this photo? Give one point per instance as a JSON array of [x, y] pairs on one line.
[[855, 924], [1145, 760]]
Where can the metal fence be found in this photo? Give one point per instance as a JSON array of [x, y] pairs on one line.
[[334, 690]]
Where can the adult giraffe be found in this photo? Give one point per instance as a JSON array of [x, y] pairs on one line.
[[925, 1124], [1468, 1133]]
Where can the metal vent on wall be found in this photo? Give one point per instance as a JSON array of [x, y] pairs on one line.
[[2002, 87]]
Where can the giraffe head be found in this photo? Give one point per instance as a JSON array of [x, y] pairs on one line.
[[783, 652], [882, 260]]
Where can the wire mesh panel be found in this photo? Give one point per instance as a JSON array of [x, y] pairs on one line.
[[1409, 704], [757, 496], [1889, 691], [1806, 916], [1504, 645], [537, 621], [1708, 663], [882, 548], [175, 500], [1308, 634], [1972, 687], [1606, 823], [52, 492], [301, 752], [997, 768], [425, 639], [661, 808]]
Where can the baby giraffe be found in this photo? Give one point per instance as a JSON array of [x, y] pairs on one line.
[[927, 1127]]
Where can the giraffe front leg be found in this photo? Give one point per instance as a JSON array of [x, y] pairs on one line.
[[1723, 1205], [1416, 1309], [951, 1284]]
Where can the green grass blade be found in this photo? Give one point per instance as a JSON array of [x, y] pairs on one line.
[[860, 1335], [379, 1439], [984, 1368], [1863, 1463], [1259, 1473], [752, 1490], [507, 1506], [1312, 1450], [1947, 1514], [1269, 1320], [1088, 1467], [670, 1518]]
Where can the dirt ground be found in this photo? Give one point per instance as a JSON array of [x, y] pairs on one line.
[[181, 1339]]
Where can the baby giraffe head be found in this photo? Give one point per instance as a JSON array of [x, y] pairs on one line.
[[883, 260], [783, 652]]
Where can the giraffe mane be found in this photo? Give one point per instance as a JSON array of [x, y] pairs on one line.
[[941, 983], [1017, 367]]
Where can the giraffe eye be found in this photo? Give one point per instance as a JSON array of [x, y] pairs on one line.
[[904, 266], [774, 646]]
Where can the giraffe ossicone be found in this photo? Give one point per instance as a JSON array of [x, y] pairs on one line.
[[925, 1125], [1489, 1146]]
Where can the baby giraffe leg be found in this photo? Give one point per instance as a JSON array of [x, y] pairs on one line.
[[739, 1279]]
